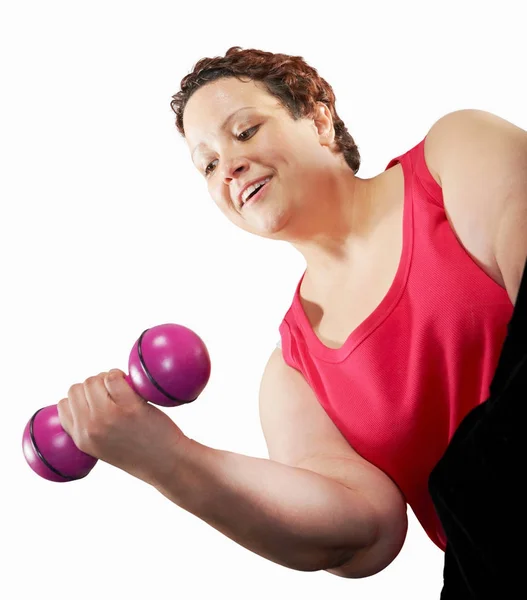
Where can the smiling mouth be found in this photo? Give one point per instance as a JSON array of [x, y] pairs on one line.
[[256, 192]]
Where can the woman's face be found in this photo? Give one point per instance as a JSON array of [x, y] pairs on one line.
[[239, 134]]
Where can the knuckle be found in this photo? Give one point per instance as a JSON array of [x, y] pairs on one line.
[[73, 388]]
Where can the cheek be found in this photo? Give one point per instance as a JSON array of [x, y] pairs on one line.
[[274, 149], [221, 197], [217, 191], [271, 149]]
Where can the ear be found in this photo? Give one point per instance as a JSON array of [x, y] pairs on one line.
[[323, 121]]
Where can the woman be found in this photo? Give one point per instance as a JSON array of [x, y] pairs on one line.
[[392, 339]]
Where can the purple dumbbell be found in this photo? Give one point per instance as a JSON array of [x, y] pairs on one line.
[[169, 365]]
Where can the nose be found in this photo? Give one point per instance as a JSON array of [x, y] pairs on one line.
[[234, 168]]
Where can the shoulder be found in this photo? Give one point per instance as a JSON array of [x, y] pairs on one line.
[[480, 161], [472, 139]]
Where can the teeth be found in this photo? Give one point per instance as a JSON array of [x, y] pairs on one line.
[[253, 187]]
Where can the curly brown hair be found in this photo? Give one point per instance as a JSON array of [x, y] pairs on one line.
[[297, 86]]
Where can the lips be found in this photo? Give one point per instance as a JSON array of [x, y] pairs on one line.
[[257, 196], [240, 195]]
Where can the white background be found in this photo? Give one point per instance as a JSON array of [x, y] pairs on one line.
[[107, 229]]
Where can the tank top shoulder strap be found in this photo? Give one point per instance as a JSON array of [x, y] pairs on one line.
[[415, 160]]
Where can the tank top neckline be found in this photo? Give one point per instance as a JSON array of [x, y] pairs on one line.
[[390, 300]]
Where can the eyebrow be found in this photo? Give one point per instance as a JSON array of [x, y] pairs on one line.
[[223, 127]]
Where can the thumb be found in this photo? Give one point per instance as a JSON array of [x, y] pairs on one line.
[[119, 389]]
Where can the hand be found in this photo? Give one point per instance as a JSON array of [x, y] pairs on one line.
[[109, 421]]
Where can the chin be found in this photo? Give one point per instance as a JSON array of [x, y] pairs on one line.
[[270, 228]]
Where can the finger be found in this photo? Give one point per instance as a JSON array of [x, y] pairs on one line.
[[78, 404], [77, 398], [79, 410], [96, 394], [119, 389], [65, 416]]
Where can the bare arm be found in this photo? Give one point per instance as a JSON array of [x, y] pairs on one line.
[[291, 516], [308, 516]]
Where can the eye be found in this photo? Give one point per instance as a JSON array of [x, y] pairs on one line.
[[251, 130], [207, 171]]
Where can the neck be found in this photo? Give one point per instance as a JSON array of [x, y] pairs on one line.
[[338, 226]]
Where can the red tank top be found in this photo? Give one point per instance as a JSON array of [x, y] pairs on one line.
[[407, 375]]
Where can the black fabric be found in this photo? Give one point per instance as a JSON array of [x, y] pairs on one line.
[[478, 485]]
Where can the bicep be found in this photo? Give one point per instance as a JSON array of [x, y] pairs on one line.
[[298, 432], [294, 424]]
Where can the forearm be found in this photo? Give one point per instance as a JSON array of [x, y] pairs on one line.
[[291, 516]]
